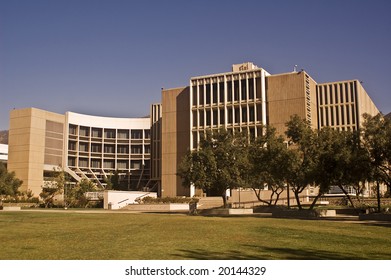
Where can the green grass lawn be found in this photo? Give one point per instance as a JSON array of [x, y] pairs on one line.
[[102, 236]]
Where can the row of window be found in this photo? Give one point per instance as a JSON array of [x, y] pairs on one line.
[[238, 90], [108, 163], [109, 133], [252, 131], [337, 93], [230, 115], [337, 115], [109, 148]]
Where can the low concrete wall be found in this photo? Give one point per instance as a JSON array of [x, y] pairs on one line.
[[326, 213], [375, 217], [164, 207], [305, 214], [11, 208], [228, 211]]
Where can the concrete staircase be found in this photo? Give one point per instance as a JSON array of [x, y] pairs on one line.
[[210, 202]]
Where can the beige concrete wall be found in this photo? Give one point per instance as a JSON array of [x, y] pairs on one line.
[[175, 138], [286, 97], [27, 145], [365, 103]]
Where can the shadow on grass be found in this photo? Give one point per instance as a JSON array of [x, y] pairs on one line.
[[269, 253]]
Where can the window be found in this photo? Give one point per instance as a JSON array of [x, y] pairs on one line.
[[72, 129], [109, 164], [243, 89], [110, 133], [347, 114], [84, 131], [122, 164], [237, 115], [72, 146], [96, 163], [137, 134], [214, 87], [96, 148], [71, 161], [221, 95], [83, 162], [123, 149], [136, 164], [251, 89], [244, 114], [207, 97], [201, 94], [123, 134], [109, 149], [83, 147], [147, 149], [259, 113], [194, 95], [222, 116], [229, 91], [236, 90], [201, 117], [230, 116], [147, 134], [252, 114], [208, 117], [137, 149], [320, 96], [96, 132], [258, 82], [215, 117], [194, 113]]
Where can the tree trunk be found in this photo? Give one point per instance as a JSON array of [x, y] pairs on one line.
[[378, 196], [315, 200], [297, 199], [348, 197], [224, 196], [259, 196]]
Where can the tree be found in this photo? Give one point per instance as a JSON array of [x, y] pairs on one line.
[[217, 165], [76, 195], [332, 157], [9, 184], [113, 181], [268, 158], [376, 140], [302, 155], [54, 186]]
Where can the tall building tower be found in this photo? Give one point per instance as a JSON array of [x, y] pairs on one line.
[[234, 101], [246, 99]]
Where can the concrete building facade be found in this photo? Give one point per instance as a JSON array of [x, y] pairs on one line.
[[148, 151], [84, 146], [246, 99], [4, 153]]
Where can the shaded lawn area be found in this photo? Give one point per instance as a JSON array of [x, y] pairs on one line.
[[103, 236]]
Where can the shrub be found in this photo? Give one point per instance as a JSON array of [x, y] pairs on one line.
[[160, 200]]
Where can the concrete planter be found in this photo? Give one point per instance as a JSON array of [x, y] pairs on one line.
[[375, 217], [11, 208], [326, 212], [164, 207], [228, 211], [305, 214]]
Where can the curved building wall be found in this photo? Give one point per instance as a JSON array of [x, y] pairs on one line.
[[85, 146], [100, 146]]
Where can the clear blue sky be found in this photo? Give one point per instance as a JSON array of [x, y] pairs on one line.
[[111, 58]]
